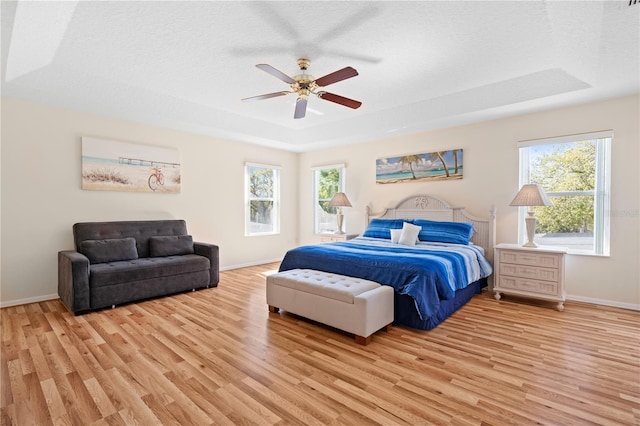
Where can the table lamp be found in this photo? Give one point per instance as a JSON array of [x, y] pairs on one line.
[[531, 195], [339, 200]]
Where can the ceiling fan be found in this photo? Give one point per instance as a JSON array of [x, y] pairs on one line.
[[305, 84]]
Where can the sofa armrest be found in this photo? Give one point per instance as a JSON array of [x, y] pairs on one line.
[[73, 280], [211, 252]]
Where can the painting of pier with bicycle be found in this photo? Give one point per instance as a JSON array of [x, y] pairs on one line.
[[121, 166]]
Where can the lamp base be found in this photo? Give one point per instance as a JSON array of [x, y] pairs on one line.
[[530, 222], [340, 219]]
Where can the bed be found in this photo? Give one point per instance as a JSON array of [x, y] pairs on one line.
[[444, 260]]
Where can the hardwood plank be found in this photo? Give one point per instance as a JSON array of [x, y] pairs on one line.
[[161, 410], [218, 356], [100, 397], [38, 358], [351, 404], [24, 414], [6, 393], [37, 401], [13, 383], [279, 404], [227, 395], [57, 410], [134, 410], [201, 397]]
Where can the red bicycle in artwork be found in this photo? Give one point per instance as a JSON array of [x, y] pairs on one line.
[[156, 178]]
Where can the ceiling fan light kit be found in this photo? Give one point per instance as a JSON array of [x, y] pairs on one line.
[[305, 84]]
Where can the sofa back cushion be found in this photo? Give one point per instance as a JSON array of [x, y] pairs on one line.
[[109, 250], [176, 245], [140, 230]]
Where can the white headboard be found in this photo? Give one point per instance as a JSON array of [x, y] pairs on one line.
[[433, 208]]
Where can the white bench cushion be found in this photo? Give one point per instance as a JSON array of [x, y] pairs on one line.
[[325, 284]]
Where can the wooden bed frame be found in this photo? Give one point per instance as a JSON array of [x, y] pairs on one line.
[[433, 208]]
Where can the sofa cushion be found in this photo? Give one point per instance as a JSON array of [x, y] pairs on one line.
[[117, 294], [104, 274], [141, 230], [175, 245], [109, 250]]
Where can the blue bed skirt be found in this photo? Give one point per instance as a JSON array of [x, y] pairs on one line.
[[405, 312]]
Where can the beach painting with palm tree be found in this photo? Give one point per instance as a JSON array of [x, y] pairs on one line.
[[432, 166]]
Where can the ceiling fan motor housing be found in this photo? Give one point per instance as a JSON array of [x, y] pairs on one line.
[[305, 83]]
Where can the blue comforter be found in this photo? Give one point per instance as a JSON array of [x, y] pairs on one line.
[[428, 272]]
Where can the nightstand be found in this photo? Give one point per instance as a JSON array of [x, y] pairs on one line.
[[332, 238], [536, 272]]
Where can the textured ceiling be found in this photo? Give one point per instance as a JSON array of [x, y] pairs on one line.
[[422, 65]]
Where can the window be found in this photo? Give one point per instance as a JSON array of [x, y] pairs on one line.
[[262, 199], [327, 180], [574, 171]]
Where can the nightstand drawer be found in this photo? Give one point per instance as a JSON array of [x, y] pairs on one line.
[[533, 272], [528, 285], [547, 260]]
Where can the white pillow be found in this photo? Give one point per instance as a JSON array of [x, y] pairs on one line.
[[395, 235], [409, 234]]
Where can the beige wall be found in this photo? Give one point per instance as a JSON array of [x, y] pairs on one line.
[[491, 179], [42, 197]]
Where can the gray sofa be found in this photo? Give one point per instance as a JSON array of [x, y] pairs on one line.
[[121, 262]]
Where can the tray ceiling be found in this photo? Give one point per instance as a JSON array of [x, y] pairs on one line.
[[422, 65]]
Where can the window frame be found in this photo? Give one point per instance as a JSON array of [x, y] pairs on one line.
[[601, 193], [275, 198], [342, 168]]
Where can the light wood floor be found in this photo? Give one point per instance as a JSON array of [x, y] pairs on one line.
[[217, 356]]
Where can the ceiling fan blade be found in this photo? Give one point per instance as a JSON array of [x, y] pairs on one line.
[[274, 72], [301, 108], [266, 96], [336, 76], [340, 100]]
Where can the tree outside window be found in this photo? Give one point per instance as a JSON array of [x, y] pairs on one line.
[[327, 181], [574, 174], [263, 183]]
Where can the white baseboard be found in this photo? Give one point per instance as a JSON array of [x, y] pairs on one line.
[[9, 303], [244, 265], [612, 303], [6, 304]]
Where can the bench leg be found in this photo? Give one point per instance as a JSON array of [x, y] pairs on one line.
[[273, 309], [363, 340], [387, 328]]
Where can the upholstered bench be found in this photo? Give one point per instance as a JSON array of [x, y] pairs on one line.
[[350, 304]]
